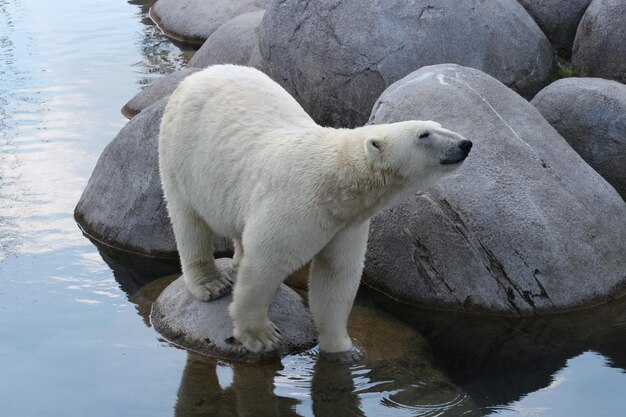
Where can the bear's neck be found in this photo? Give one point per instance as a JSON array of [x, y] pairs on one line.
[[358, 188]]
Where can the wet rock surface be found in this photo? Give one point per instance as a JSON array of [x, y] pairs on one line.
[[524, 227], [122, 205], [336, 58], [160, 88], [193, 21], [590, 113], [206, 327], [235, 42], [558, 19], [600, 44]]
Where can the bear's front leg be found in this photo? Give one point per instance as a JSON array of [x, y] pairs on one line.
[[333, 284], [275, 243], [258, 278]]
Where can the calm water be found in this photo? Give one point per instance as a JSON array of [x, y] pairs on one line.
[[75, 339]]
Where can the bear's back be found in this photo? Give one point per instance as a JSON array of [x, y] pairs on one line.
[[238, 94]]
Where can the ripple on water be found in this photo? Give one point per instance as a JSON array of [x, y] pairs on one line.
[[396, 378]]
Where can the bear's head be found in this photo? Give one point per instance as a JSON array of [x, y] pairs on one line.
[[418, 151]]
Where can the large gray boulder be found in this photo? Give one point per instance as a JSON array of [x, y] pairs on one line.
[[558, 19], [524, 227], [122, 205], [590, 113], [206, 327], [235, 42], [600, 44], [160, 88], [193, 21], [336, 58]]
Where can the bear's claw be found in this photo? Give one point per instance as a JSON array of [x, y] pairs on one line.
[[261, 339], [210, 288]]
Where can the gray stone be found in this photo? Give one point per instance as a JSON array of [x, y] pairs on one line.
[[524, 227], [206, 327], [590, 113], [336, 58], [600, 44], [193, 21], [160, 88], [558, 19], [122, 205], [235, 42]]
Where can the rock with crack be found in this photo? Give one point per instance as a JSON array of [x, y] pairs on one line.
[[193, 21], [235, 42], [524, 227], [122, 205], [600, 44], [206, 327], [336, 58], [590, 113], [160, 88], [558, 19]]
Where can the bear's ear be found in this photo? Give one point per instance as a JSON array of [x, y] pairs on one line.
[[373, 148]]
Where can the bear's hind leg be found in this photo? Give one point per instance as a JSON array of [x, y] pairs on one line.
[[194, 239], [333, 283]]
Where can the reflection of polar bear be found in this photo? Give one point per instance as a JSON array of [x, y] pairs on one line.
[[239, 157]]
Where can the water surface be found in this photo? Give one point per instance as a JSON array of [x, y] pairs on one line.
[[75, 338]]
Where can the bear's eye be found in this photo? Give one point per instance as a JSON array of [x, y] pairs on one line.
[[424, 135]]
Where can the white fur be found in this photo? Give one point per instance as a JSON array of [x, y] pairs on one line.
[[239, 157]]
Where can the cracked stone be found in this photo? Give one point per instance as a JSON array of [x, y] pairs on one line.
[[338, 57], [524, 227]]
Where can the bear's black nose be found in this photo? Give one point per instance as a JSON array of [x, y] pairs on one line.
[[466, 146]]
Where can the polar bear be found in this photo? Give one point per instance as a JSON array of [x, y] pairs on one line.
[[239, 157]]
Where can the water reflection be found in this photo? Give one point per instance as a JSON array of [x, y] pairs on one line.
[[499, 361], [160, 54], [437, 364], [396, 379], [66, 68]]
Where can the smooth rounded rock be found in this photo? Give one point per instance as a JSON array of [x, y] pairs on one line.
[[160, 88], [590, 113], [206, 327], [193, 21], [524, 227], [600, 44], [122, 205], [336, 58], [558, 19], [235, 42]]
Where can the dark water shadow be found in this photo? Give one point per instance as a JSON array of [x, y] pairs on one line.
[[416, 360], [133, 272], [499, 360], [397, 378]]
